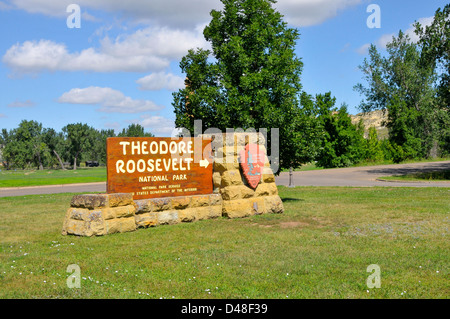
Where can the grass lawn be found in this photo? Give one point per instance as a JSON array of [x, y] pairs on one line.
[[421, 177], [320, 247], [20, 178]]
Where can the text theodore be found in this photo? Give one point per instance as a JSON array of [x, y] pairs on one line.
[[181, 149]]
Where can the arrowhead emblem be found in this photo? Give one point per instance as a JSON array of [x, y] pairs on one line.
[[252, 163]]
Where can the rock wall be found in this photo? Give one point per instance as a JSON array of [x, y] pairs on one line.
[[239, 199], [233, 197]]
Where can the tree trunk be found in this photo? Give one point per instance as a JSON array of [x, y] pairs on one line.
[[41, 167], [59, 159], [75, 161]]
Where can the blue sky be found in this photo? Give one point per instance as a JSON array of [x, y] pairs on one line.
[[122, 65]]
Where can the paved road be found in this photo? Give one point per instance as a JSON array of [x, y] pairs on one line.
[[364, 176], [53, 189], [351, 176]]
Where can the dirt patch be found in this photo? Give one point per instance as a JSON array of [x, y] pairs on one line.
[[293, 224]]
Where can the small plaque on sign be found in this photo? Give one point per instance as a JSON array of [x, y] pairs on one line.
[[252, 163], [151, 167]]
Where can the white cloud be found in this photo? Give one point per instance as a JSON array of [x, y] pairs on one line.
[[382, 41], [302, 13], [187, 14], [17, 103], [109, 100], [4, 6], [149, 49], [174, 13], [46, 55], [159, 81], [364, 49], [158, 125]]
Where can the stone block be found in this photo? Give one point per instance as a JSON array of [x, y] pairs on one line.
[[95, 224], [215, 200], [83, 222], [202, 212], [92, 201], [124, 211], [258, 206], [267, 175], [77, 213], [181, 202], [221, 165], [247, 191], [120, 225], [145, 220], [74, 227], [231, 192], [217, 179], [187, 215], [199, 200], [231, 177], [108, 213], [161, 204], [120, 199], [236, 208], [143, 206], [263, 190], [273, 204], [167, 217], [89, 201], [215, 211]]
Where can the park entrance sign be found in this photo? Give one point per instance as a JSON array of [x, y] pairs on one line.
[[155, 181], [154, 167]]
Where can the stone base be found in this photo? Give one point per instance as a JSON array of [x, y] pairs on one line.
[[102, 214]]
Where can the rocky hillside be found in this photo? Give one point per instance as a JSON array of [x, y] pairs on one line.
[[374, 118]]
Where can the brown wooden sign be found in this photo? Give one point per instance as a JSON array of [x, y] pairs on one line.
[[151, 167]]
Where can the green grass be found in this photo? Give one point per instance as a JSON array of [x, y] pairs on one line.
[[21, 178], [421, 177], [320, 247]]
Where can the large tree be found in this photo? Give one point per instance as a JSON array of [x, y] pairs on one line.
[[24, 146], [55, 143], [79, 139], [401, 85], [250, 79], [411, 82], [435, 46]]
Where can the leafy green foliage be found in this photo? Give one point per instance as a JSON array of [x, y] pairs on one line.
[[342, 143], [250, 79], [30, 145], [411, 83]]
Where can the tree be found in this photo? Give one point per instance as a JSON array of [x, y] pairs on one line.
[[79, 139], [403, 85], [55, 143], [134, 130], [435, 47], [5, 140], [98, 151], [374, 150], [342, 143], [24, 145], [250, 79]]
